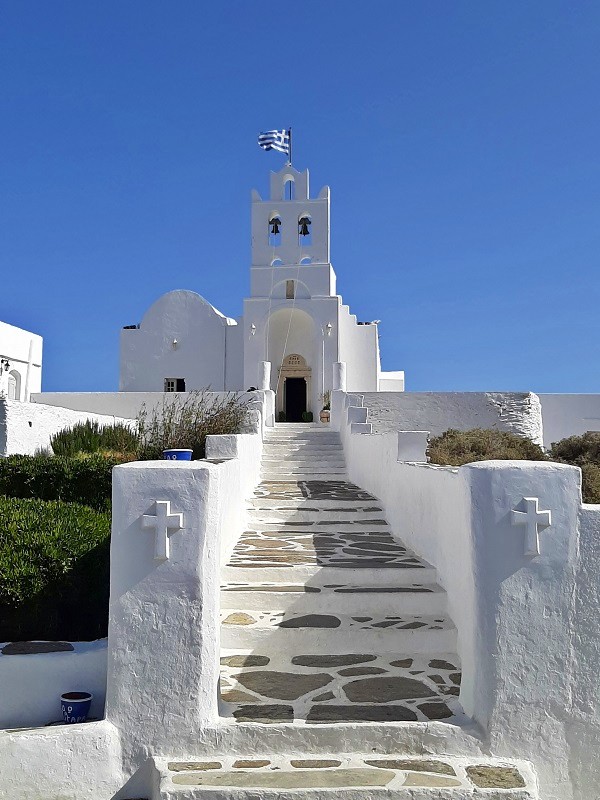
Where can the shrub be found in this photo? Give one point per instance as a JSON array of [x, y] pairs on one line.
[[87, 481], [480, 444], [307, 416], [281, 416], [582, 451], [578, 449], [54, 570], [91, 437], [184, 421]]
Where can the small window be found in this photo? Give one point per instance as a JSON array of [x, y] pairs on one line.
[[274, 231], [174, 384], [290, 292]]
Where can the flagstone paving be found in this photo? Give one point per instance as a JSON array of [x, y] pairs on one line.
[[332, 623], [513, 779]]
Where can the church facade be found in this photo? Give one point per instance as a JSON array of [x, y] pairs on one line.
[[295, 332]]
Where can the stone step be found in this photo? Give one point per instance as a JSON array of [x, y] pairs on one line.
[[325, 471], [296, 460], [313, 475], [299, 527], [258, 570], [344, 776], [325, 632], [352, 598], [314, 502], [312, 513], [353, 686]]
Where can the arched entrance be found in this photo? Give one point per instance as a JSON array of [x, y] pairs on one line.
[[293, 390]]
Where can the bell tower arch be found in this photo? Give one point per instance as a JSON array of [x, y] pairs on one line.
[[290, 227]]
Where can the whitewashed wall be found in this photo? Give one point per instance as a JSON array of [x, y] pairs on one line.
[[529, 636], [438, 411], [67, 762], [32, 684], [359, 349], [24, 352], [569, 415], [121, 404], [27, 427], [180, 336]]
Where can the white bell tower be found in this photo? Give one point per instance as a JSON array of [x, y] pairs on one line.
[[290, 236]]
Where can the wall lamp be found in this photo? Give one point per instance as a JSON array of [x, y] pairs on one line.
[[327, 329], [253, 329]]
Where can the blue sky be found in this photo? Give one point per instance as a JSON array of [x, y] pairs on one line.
[[461, 141]]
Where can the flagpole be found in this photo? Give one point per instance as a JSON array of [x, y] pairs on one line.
[[290, 156]]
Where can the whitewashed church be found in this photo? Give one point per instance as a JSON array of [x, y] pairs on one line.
[[314, 611], [293, 320]]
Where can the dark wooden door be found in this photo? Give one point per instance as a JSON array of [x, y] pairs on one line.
[[295, 399]]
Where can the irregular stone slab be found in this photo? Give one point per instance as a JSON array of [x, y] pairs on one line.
[[235, 696], [413, 765], [315, 763], [384, 590], [435, 710], [282, 685], [332, 661], [33, 648], [311, 621], [437, 663], [272, 588], [422, 779], [193, 766], [488, 777], [250, 764], [385, 690], [402, 662], [264, 713], [245, 661], [322, 697], [361, 671], [239, 618], [455, 677], [361, 714], [298, 779]]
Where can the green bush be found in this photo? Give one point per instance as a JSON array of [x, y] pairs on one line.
[[582, 451], [307, 416], [87, 481], [184, 421], [54, 570], [480, 444], [91, 437]]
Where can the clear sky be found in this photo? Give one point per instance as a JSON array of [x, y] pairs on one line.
[[461, 141]]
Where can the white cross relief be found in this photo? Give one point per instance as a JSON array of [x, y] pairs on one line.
[[163, 521], [535, 520]]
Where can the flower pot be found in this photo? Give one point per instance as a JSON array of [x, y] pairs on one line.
[[177, 455], [75, 706], [324, 416]]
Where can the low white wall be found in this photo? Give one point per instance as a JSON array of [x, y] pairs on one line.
[[438, 411], [122, 404], [68, 762], [32, 684], [245, 453], [27, 427], [569, 415], [529, 629], [427, 507]]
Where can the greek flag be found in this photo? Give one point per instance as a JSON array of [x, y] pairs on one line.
[[275, 140]]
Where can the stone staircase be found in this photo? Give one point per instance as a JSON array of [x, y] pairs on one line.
[[327, 622]]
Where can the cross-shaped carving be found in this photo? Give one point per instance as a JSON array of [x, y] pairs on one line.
[[163, 521], [535, 520]]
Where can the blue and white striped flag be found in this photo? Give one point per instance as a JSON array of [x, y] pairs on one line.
[[275, 140]]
